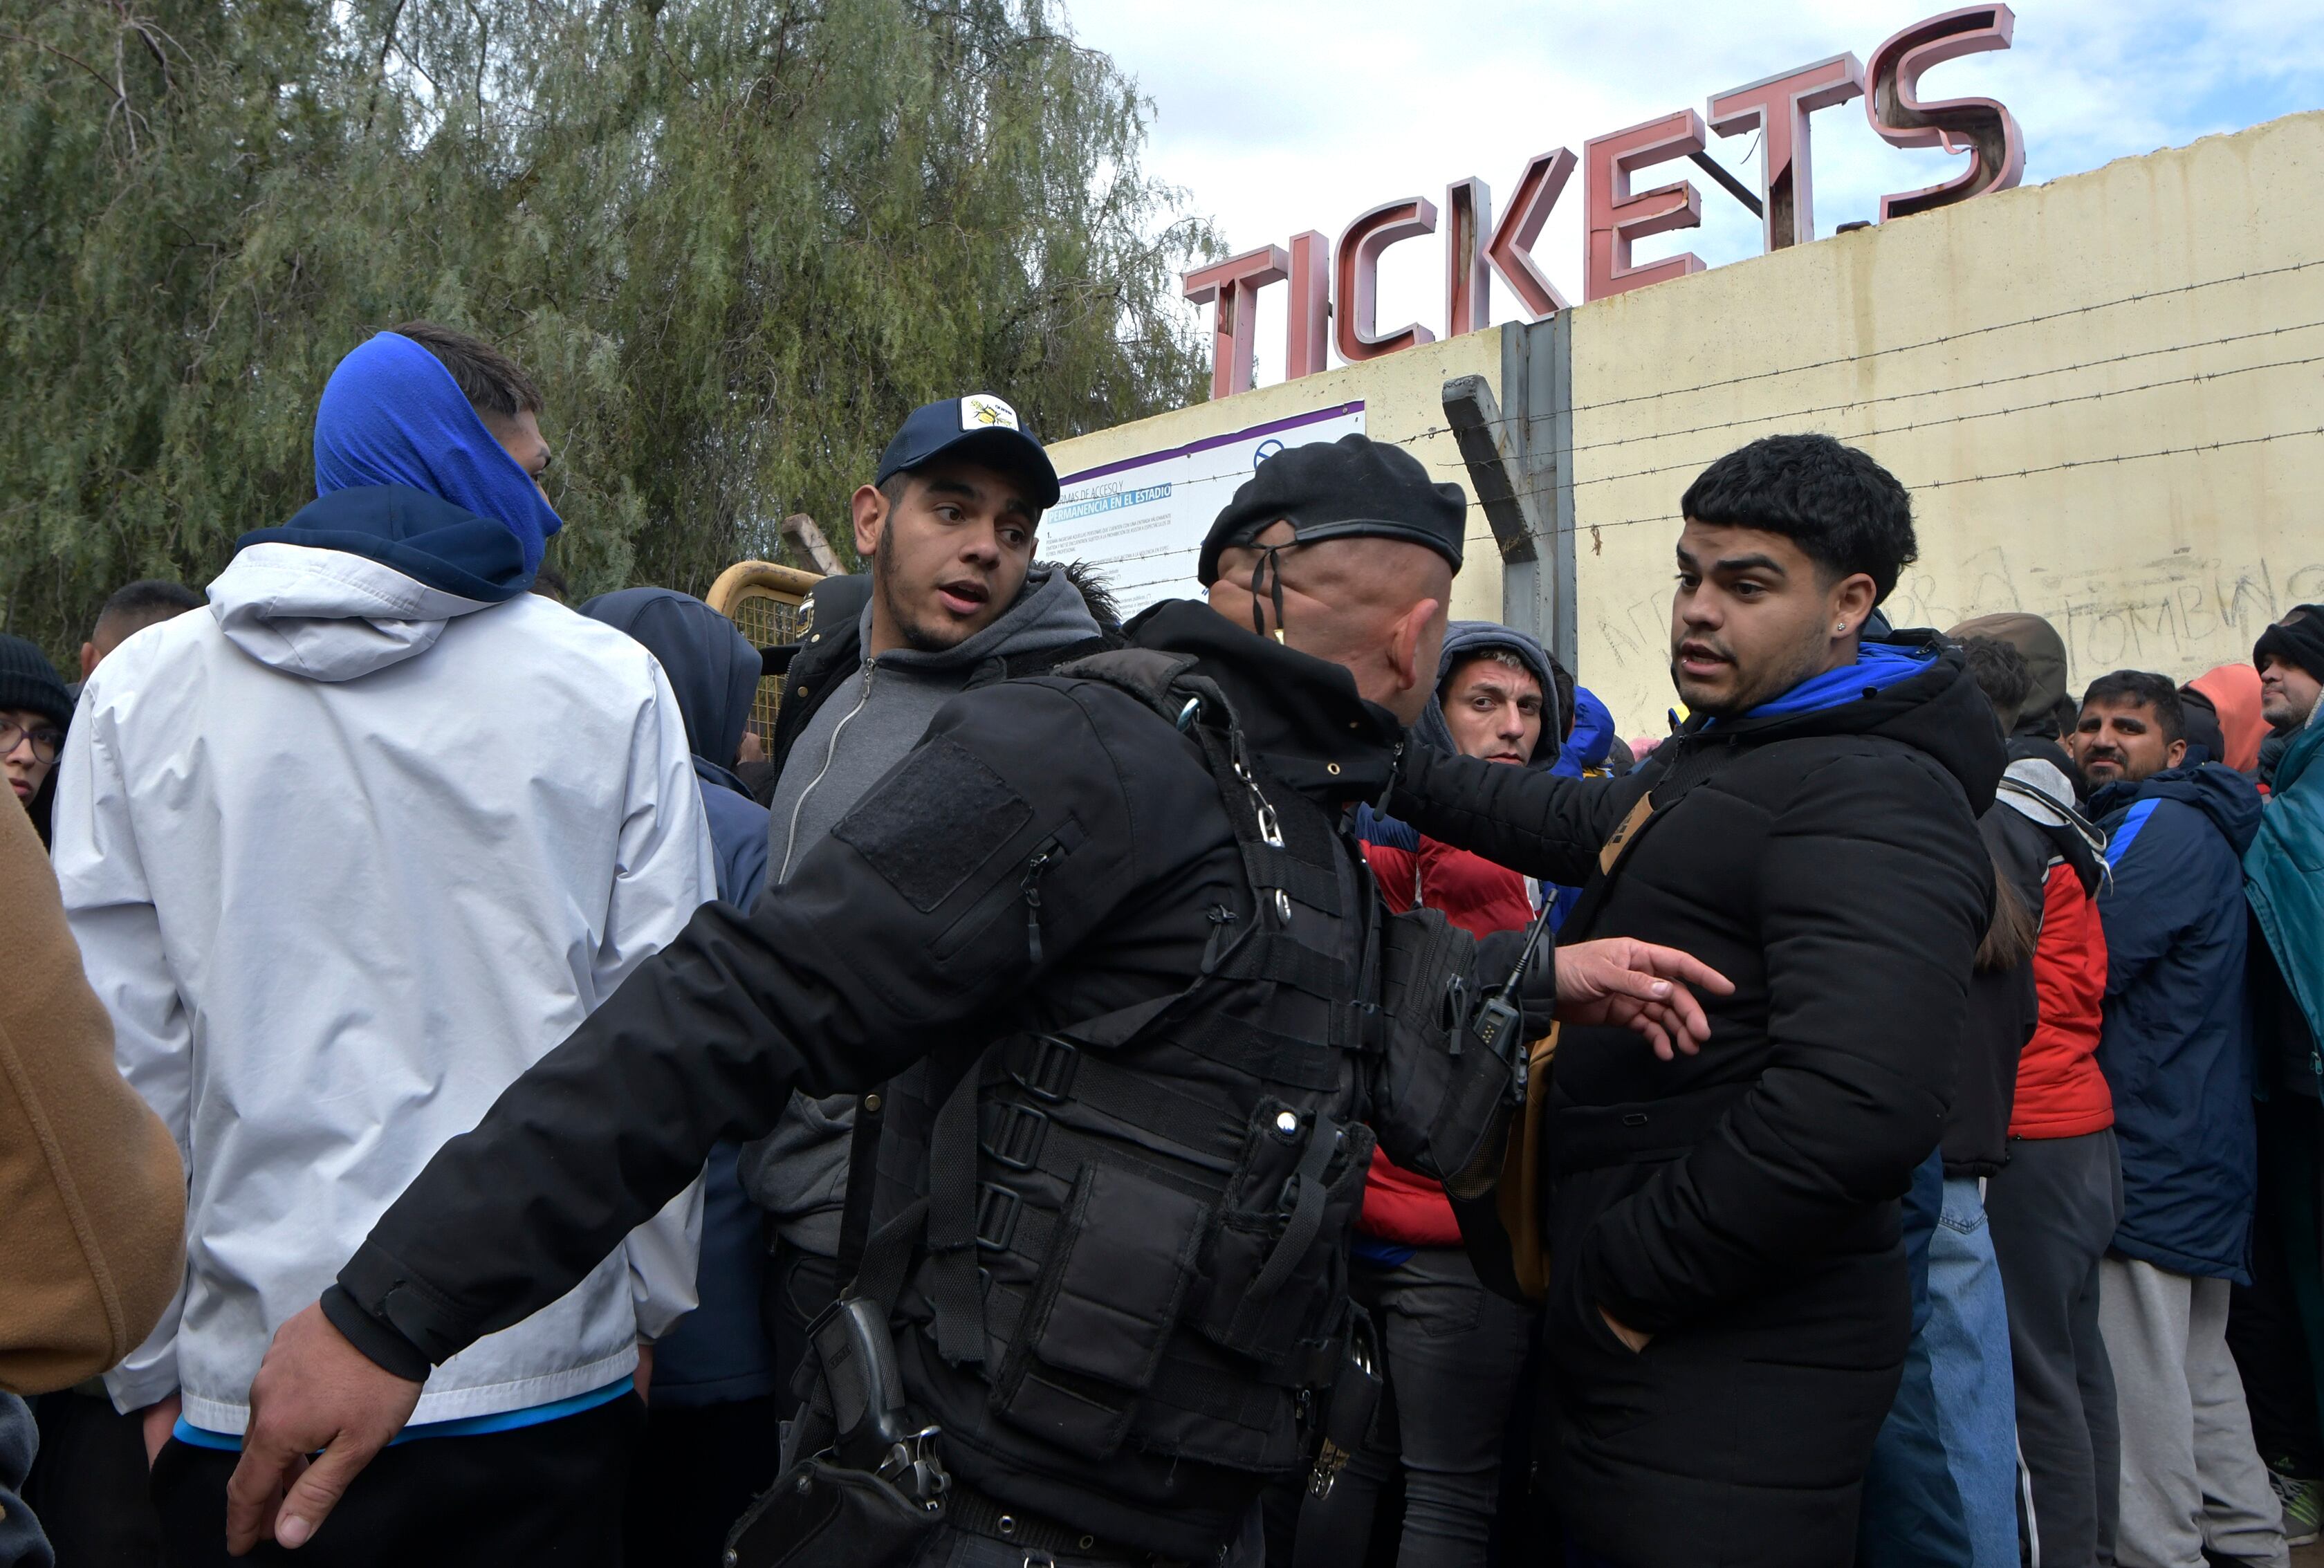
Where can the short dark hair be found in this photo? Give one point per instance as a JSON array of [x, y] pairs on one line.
[[148, 600], [550, 584], [1845, 512], [491, 381], [2001, 672], [2142, 688]]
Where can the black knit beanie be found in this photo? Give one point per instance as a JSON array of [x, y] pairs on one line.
[[2297, 638], [30, 682]]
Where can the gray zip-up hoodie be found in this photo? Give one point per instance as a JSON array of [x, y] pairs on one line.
[[798, 1172]]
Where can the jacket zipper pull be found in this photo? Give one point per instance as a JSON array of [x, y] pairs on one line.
[[1032, 890]]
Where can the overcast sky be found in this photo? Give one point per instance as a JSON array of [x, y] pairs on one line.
[[1280, 116]]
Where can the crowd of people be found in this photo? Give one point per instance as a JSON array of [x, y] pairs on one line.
[[1278, 1081]]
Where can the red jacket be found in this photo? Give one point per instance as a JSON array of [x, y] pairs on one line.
[[2060, 1092], [1481, 897]]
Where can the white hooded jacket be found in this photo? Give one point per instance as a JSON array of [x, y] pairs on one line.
[[345, 856]]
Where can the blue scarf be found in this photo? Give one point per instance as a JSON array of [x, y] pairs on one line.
[[392, 414], [1878, 665]]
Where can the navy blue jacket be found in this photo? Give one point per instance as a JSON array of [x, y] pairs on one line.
[[718, 1354], [2176, 1044]]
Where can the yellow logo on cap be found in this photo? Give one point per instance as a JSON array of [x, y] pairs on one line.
[[983, 411]]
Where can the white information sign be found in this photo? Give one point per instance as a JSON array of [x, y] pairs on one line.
[[1142, 520]]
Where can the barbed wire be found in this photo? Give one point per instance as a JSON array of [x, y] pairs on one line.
[[1579, 527], [1761, 421], [1867, 435]]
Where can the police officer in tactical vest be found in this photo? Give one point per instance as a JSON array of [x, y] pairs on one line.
[[1104, 953]]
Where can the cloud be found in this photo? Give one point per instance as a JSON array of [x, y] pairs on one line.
[[1279, 117]]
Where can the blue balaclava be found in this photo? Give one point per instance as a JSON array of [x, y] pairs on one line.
[[392, 414]]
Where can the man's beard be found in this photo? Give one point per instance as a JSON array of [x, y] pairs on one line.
[[1750, 692], [917, 636]]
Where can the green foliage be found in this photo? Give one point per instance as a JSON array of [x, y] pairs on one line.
[[735, 243]]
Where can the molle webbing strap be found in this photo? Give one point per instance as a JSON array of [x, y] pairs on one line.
[[1287, 962], [863, 1180], [888, 1254], [953, 1199], [1307, 1212]]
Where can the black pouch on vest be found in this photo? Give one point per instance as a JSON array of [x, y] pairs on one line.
[[820, 1514], [1107, 1299], [1275, 1266], [1445, 1106]]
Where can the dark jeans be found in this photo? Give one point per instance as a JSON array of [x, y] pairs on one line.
[[2052, 1210], [88, 1484], [696, 1472], [549, 1494], [1451, 1351], [1912, 1512]]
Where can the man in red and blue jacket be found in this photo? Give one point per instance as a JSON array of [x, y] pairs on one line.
[[1453, 1349]]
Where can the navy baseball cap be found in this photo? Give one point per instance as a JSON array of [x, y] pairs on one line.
[[977, 428]]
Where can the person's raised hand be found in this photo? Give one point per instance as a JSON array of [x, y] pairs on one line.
[[1638, 985], [315, 1395]]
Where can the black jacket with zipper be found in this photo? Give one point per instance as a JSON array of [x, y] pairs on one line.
[[1741, 1205], [907, 929], [831, 647]]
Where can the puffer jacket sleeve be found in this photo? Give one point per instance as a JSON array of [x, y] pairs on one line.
[[1874, 885], [92, 1195], [907, 927]]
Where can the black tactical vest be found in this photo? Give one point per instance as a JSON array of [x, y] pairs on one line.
[[1136, 1227], [1137, 1224]]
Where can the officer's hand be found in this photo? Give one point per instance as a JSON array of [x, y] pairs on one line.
[[314, 1391], [1639, 986]]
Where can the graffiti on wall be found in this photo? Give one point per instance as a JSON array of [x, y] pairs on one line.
[[2178, 615]]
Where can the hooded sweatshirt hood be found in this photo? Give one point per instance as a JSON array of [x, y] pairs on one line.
[[2235, 696], [880, 712], [1593, 739], [360, 580], [1464, 640], [392, 414], [712, 666], [2049, 711]]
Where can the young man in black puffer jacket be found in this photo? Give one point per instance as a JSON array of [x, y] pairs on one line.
[[1728, 1305]]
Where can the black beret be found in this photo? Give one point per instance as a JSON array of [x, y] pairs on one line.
[[1353, 487]]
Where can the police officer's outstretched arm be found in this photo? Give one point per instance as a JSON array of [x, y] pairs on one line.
[[911, 923], [1532, 821]]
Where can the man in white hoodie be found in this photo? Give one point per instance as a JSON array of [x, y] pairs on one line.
[[336, 901]]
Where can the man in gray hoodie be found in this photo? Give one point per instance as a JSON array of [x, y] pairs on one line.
[[954, 600]]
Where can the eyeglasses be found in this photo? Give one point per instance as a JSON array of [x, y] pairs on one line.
[[46, 742]]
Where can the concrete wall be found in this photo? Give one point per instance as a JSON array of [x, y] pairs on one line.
[[2085, 383], [1993, 356], [1401, 403]]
